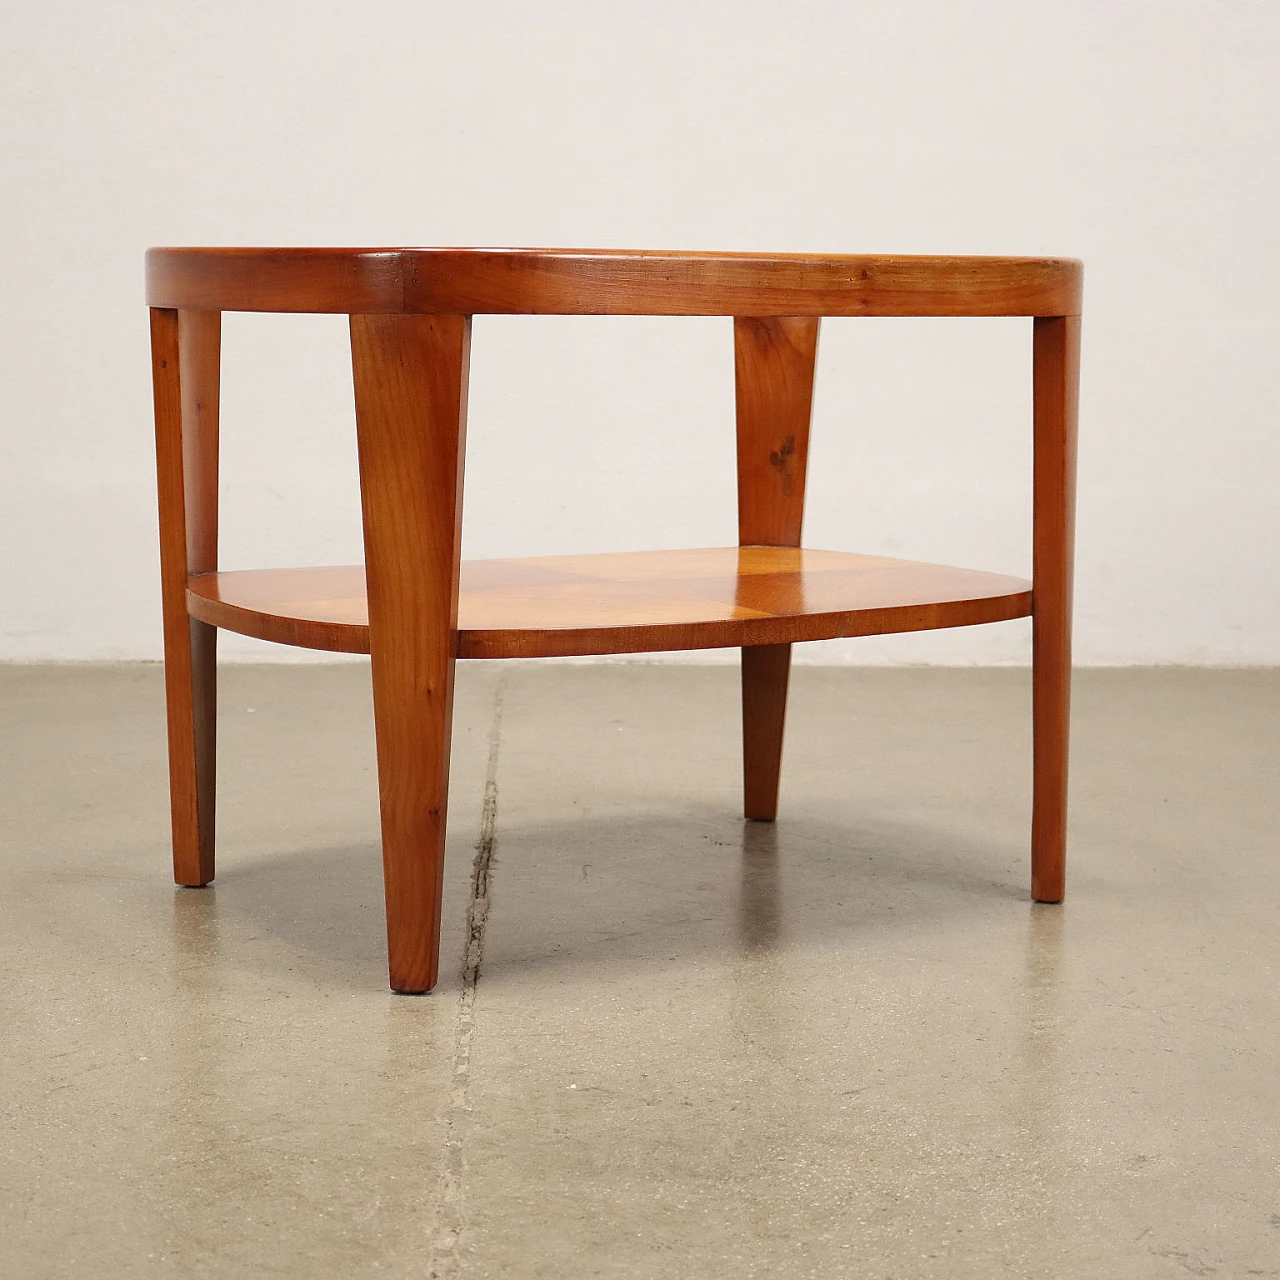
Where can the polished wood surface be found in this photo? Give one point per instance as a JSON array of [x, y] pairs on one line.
[[608, 282], [1056, 379], [628, 602], [410, 314], [766, 675], [774, 361], [345, 281], [186, 349], [411, 405]]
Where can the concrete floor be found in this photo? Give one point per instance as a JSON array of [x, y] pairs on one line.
[[846, 1045]]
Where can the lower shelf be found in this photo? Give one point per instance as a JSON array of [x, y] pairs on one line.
[[628, 602]]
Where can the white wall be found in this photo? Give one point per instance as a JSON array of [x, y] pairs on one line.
[[1141, 137]]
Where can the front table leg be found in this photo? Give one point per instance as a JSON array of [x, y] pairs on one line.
[[410, 383]]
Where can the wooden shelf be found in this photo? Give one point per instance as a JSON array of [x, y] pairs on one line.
[[629, 602]]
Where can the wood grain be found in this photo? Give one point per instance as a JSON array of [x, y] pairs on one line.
[[418, 608], [186, 352], [608, 282], [1056, 378], [773, 381], [774, 360], [629, 602], [766, 673], [346, 281], [411, 399]]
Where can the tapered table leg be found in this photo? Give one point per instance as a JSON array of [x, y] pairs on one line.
[[410, 384], [774, 359], [186, 353], [1056, 360]]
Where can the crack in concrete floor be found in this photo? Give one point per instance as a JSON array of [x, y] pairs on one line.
[[449, 1218]]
